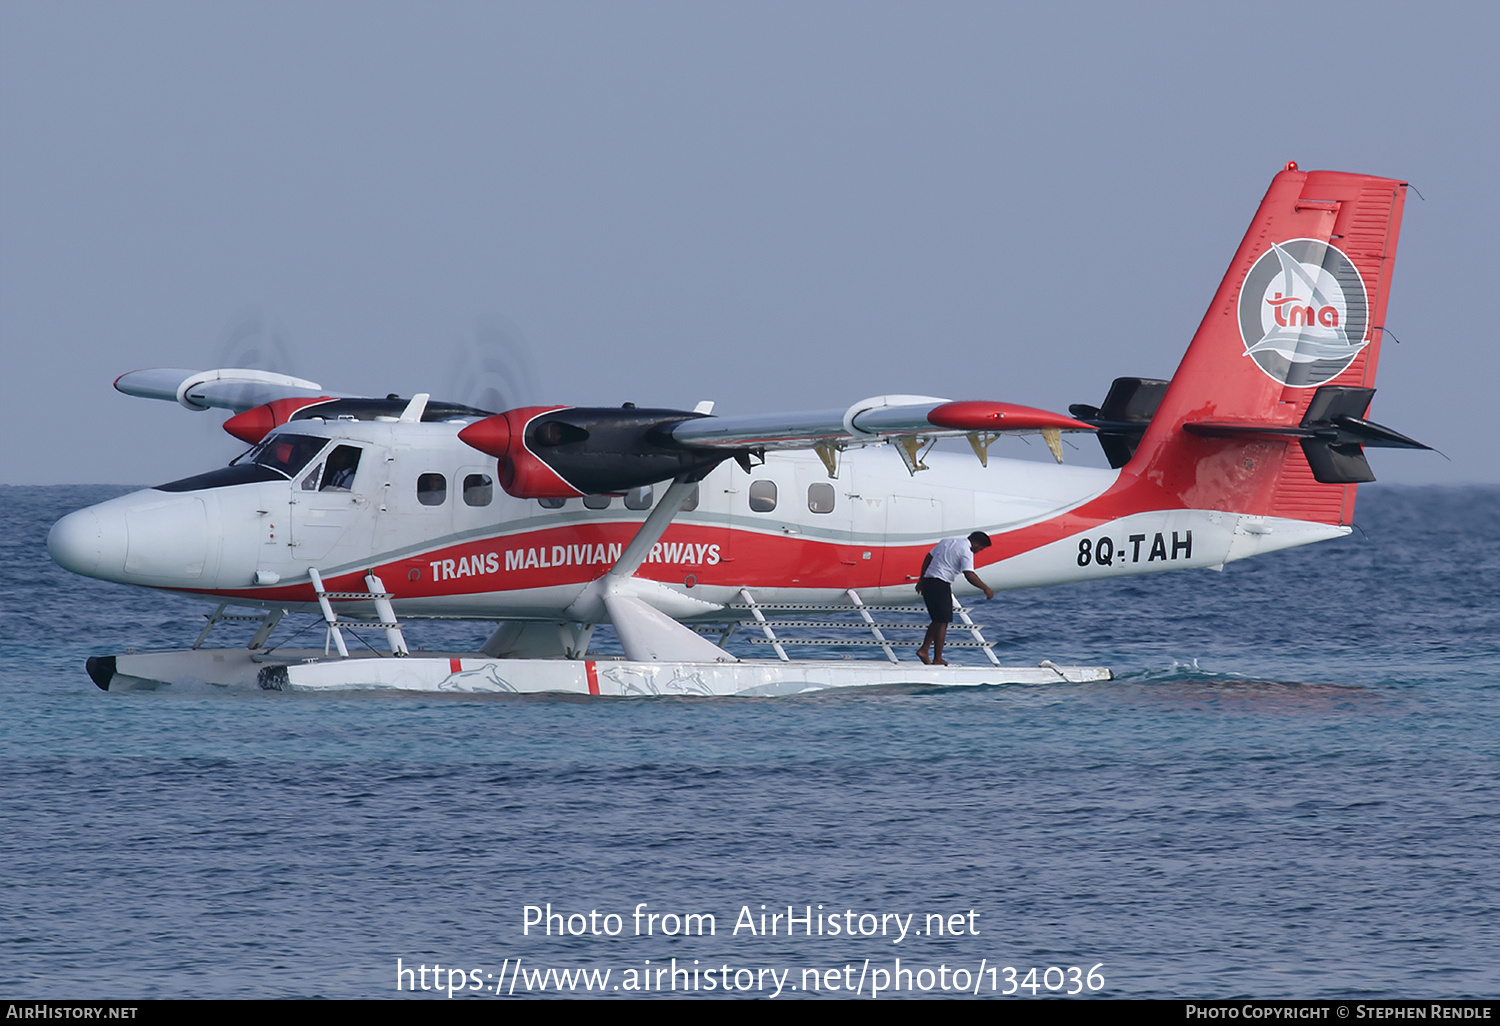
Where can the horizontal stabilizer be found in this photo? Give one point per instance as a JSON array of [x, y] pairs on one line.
[[1332, 433]]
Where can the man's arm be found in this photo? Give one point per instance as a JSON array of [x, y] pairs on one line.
[[925, 564], [973, 579]]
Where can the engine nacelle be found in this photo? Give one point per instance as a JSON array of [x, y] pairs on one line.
[[558, 452], [255, 423]]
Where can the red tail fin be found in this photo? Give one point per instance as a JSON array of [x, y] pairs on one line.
[[1301, 307]]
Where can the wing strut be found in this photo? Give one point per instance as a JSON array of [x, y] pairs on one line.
[[646, 633], [651, 531]]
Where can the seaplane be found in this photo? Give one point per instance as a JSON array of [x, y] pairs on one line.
[[678, 527]]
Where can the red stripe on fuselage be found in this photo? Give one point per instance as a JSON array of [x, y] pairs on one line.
[[714, 556], [578, 554]]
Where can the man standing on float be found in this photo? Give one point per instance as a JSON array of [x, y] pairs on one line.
[[948, 558]]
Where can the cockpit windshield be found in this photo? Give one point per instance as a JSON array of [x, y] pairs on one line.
[[285, 454]]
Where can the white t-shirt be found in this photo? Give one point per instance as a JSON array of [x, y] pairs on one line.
[[950, 558]]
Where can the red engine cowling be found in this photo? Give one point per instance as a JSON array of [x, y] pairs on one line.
[[255, 423], [521, 473], [557, 452]]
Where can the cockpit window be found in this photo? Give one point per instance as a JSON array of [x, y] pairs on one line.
[[338, 472], [275, 459], [283, 453], [223, 477]]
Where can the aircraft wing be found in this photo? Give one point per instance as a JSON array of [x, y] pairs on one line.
[[882, 418], [562, 451], [230, 388]]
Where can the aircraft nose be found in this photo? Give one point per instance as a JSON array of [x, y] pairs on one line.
[[79, 542], [144, 538]]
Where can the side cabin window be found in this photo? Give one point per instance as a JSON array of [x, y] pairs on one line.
[[692, 501], [552, 503], [820, 497], [432, 489], [479, 490], [638, 498], [762, 496], [596, 501]]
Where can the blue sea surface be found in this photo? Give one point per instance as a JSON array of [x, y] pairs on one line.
[[1292, 789]]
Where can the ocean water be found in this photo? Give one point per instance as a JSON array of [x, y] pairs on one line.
[[1291, 790]]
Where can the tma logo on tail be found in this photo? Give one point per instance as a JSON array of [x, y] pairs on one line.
[[1303, 312]]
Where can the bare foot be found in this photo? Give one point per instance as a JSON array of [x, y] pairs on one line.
[[940, 662], [923, 656]]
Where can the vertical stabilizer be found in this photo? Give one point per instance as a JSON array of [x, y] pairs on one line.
[[1298, 317]]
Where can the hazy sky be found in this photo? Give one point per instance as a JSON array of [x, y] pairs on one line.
[[778, 206]]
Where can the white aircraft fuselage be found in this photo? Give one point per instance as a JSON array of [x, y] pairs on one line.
[[424, 512]]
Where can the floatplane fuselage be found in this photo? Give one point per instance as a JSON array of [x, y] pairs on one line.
[[424, 512], [570, 516]]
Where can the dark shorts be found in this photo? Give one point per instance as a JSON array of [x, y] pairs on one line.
[[939, 598]]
